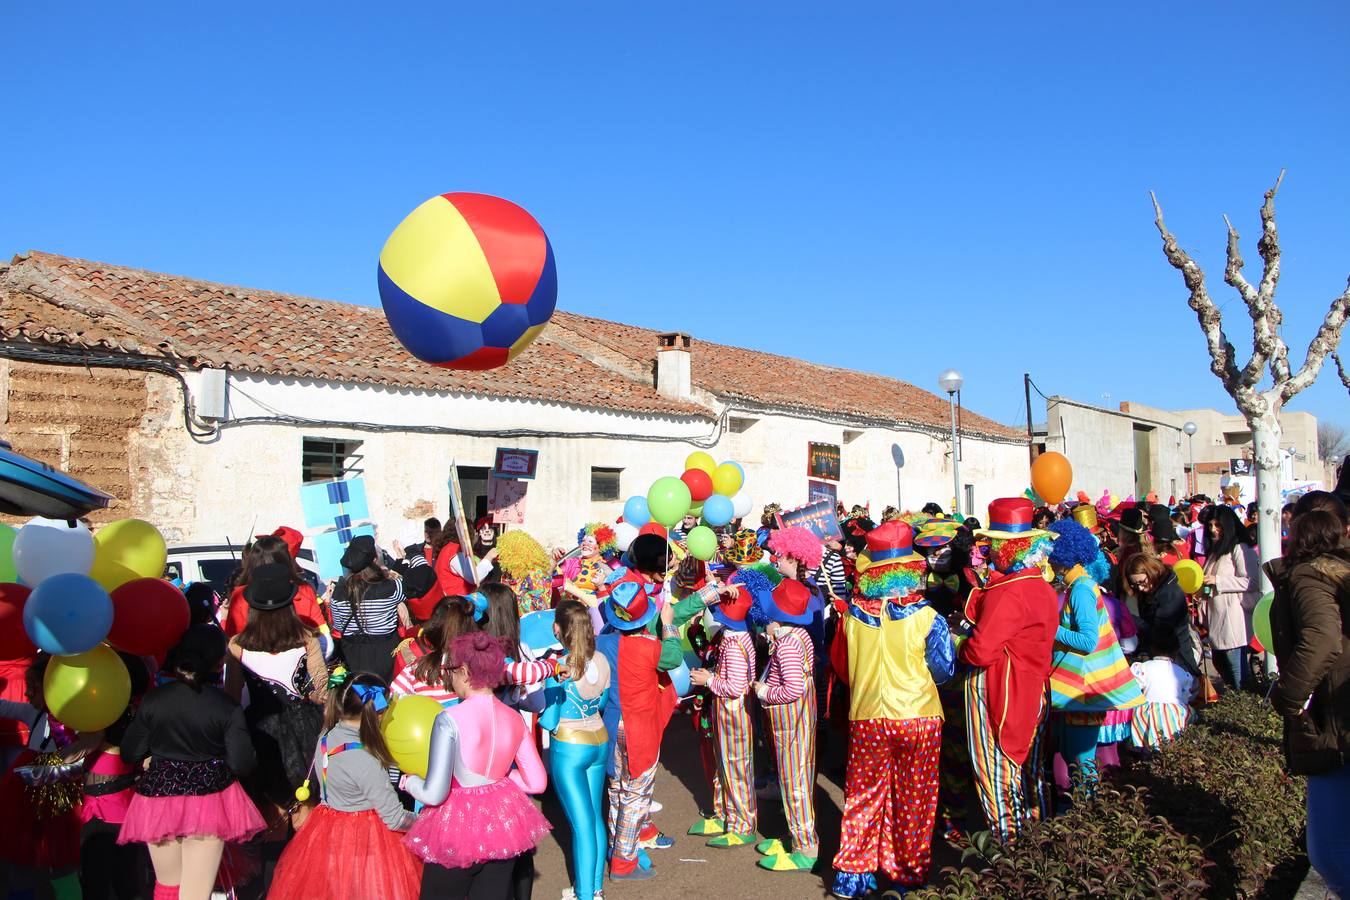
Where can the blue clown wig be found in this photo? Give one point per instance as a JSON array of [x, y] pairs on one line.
[[1075, 545], [1099, 570]]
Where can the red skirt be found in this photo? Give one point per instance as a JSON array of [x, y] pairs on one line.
[[346, 856]]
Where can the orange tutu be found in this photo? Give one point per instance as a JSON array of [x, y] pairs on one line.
[[346, 856]]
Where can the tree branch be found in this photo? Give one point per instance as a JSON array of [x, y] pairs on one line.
[[1328, 337], [1340, 370], [1222, 356], [1269, 248], [1261, 331]]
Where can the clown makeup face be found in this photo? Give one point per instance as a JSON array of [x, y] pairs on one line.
[[589, 548], [940, 559], [487, 534]]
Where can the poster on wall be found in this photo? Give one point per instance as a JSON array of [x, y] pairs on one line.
[[506, 501], [820, 518], [817, 491], [511, 463], [822, 461]]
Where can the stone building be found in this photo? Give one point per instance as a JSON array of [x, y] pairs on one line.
[[204, 407]]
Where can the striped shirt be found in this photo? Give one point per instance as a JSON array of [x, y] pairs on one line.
[[790, 662], [378, 608], [735, 660], [832, 574], [407, 684]]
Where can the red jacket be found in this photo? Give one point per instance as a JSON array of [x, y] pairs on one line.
[[1015, 619], [306, 607]]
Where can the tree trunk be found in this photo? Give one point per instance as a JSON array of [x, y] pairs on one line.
[[1266, 433]]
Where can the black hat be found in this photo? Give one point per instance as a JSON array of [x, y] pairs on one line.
[[270, 586], [1160, 523], [649, 553], [360, 553], [1132, 520], [200, 649]]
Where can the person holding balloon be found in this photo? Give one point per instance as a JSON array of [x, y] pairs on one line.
[[189, 802], [350, 846], [1231, 588]]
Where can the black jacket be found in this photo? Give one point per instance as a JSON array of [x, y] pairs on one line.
[[1165, 608], [1310, 627]]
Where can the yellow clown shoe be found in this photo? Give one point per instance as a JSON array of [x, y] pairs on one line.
[[731, 839], [770, 847], [708, 827], [787, 862]]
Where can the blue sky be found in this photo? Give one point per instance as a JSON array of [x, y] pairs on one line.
[[876, 185]]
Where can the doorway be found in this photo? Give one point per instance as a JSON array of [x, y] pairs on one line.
[[1143, 460]]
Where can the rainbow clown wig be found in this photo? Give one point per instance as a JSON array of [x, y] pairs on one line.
[[1075, 545], [800, 544], [1014, 554], [605, 538], [890, 567]]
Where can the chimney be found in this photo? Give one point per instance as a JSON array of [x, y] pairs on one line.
[[673, 378]]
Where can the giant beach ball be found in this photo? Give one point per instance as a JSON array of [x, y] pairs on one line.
[[467, 281]]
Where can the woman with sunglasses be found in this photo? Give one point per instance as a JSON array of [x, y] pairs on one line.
[[1162, 605]]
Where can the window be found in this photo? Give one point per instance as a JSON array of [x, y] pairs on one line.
[[605, 483], [1237, 438], [970, 501], [740, 425], [850, 436], [324, 459]]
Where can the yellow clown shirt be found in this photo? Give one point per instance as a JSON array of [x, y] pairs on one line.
[[897, 652]]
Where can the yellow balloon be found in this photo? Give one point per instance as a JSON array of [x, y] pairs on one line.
[[727, 480], [88, 691], [406, 727], [700, 460], [126, 550], [1189, 575]]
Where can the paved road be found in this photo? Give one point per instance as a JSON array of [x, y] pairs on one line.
[[692, 869]]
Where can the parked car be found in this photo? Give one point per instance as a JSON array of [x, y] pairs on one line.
[[217, 563]]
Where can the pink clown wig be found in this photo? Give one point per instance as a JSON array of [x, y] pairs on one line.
[[798, 543]]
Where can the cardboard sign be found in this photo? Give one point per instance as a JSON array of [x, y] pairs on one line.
[[462, 533], [515, 463], [817, 491], [820, 518], [335, 512], [822, 461], [506, 501]]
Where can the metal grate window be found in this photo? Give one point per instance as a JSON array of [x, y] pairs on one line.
[[605, 483], [324, 459]]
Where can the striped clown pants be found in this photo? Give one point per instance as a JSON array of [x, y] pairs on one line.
[[890, 798], [734, 792], [630, 801], [794, 739], [1011, 795]]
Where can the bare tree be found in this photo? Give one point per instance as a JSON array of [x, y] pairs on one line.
[[1340, 370], [1259, 405], [1332, 440]]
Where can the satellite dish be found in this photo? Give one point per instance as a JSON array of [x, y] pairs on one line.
[[898, 455]]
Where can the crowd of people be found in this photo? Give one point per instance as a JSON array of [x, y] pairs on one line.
[[983, 675]]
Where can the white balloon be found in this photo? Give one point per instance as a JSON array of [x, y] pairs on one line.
[[47, 547], [624, 534], [741, 503]]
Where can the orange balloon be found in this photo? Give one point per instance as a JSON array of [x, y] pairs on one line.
[[1051, 476]]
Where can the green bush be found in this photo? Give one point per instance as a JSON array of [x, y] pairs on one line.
[[1213, 814], [1106, 847], [1223, 783]]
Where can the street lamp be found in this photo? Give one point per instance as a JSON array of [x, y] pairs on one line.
[[951, 381], [1190, 429]]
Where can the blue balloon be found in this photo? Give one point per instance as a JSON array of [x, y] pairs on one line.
[[679, 680], [718, 510], [635, 511], [536, 632], [68, 614]]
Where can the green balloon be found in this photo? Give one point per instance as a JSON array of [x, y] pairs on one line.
[[668, 500], [1261, 622], [702, 542], [7, 571]]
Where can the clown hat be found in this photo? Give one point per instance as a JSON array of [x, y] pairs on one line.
[[789, 603], [631, 600], [936, 533], [732, 612], [1010, 518], [889, 544], [1085, 514], [744, 549]]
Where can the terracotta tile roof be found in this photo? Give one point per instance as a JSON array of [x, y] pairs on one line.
[[579, 360], [59, 300]]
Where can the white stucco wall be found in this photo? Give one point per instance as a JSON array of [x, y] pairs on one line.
[[1100, 446], [248, 478]]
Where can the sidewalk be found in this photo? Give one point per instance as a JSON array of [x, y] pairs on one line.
[[1313, 887]]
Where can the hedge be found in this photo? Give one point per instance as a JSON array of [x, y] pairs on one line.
[[1214, 815]]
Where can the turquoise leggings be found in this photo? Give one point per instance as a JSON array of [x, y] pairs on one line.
[[578, 773]]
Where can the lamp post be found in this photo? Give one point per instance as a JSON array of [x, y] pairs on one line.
[[1190, 429], [951, 381]]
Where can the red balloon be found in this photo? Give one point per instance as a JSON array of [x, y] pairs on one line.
[[14, 642], [699, 483], [149, 616], [655, 528]]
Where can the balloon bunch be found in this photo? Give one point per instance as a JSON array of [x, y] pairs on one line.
[[79, 595], [708, 490]]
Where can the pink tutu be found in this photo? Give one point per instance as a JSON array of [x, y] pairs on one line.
[[477, 824], [229, 815]]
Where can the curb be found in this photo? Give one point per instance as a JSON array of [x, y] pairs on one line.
[[1313, 887]]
